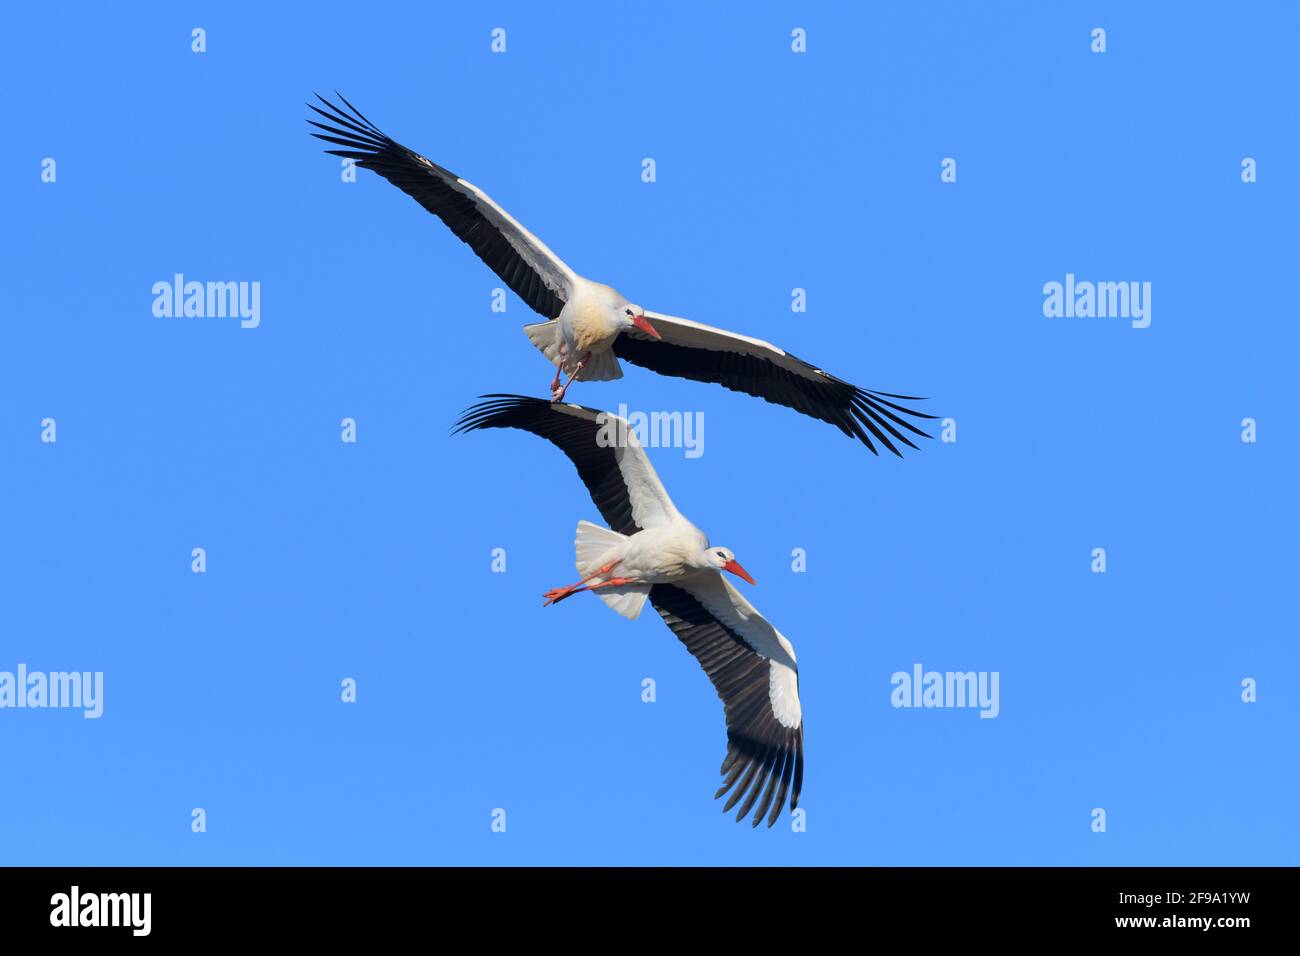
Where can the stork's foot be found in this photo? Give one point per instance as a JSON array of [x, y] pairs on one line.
[[559, 396], [555, 595]]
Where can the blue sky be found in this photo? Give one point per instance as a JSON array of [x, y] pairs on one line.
[[775, 171]]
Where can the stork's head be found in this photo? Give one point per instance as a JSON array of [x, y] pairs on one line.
[[721, 559], [631, 315]]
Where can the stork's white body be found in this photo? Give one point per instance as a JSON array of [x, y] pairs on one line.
[[653, 555], [588, 322], [586, 329]]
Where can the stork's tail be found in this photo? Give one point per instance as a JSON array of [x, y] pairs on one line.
[[601, 367], [595, 547], [546, 337]]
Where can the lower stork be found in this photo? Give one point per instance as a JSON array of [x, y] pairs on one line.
[[650, 551]]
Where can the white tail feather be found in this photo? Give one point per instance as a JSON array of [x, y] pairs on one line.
[[627, 599], [601, 367], [544, 336], [592, 545], [595, 547]]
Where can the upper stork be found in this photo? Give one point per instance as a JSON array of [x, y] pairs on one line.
[[590, 326], [651, 551]]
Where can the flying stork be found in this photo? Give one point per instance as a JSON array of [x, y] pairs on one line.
[[651, 551], [590, 326]]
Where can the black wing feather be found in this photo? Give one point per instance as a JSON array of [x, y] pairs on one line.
[[575, 435], [437, 190], [762, 753], [859, 413]]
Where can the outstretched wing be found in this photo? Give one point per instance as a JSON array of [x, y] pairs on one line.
[[753, 669], [702, 353], [524, 263], [610, 461]]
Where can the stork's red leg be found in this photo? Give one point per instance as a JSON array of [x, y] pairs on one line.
[[574, 589], [559, 397], [612, 583], [559, 594]]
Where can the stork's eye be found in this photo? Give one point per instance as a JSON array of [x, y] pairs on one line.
[[628, 311]]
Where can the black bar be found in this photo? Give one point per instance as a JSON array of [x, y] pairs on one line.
[[378, 904]]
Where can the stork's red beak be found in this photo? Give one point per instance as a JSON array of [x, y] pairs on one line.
[[640, 322], [734, 567]]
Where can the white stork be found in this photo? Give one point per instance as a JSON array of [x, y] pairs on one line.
[[591, 326], [651, 550]]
